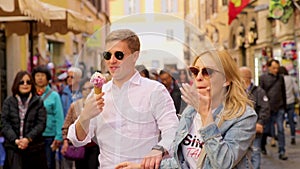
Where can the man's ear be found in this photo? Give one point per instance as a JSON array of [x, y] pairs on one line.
[[227, 83], [136, 55]]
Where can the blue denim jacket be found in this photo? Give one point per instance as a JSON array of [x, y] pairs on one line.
[[226, 147]]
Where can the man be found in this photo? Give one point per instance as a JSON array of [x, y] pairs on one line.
[[55, 118], [273, 84], [136, 110], [172, 86], [262, 108]]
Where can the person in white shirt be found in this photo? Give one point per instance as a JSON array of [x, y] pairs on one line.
[[131, 114]]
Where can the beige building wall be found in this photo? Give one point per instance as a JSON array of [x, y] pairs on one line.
[[71, 43], [210, 17], [16, 57], [65, 45]]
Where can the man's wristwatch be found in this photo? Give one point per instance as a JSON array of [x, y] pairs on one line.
[[159, 148]]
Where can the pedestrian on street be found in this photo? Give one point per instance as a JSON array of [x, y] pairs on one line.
[[217, 129], [55, 117], [292, 97], [261, 107], [273, 83], [90, 160], [70, 93], [23, 120], [131, 114], [171, 84]]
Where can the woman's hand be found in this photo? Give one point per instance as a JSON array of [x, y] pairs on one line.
[[190, 95], [200, 99], [22, 143], [64, 147], [128, 165], [55, 145]]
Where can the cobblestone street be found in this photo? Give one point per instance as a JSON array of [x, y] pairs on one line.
[[271, 160]]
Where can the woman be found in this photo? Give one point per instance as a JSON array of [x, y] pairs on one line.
[[23, 121], [55, 116], [183, 77], [216, 130], [90, 160]]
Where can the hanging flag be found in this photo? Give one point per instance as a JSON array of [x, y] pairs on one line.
[[235, 7]]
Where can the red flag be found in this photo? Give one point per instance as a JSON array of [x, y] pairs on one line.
[[235, 7]]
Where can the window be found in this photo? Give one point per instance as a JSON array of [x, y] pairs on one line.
[[169, 6], [132, 7], [224, 2], [170, 34]]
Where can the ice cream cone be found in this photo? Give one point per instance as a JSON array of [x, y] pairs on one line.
[[97, 90], [98, 81]]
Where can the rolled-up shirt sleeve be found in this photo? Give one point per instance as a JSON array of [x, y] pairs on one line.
[[73, 138], [165, 115]]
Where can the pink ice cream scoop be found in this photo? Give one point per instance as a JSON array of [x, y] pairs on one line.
[[98, 81]]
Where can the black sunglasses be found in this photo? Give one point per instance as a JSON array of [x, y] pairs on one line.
[[118, 54], [22, 82], [205, 72], [72, 77]]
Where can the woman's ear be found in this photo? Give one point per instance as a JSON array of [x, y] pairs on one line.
[[227, 83]]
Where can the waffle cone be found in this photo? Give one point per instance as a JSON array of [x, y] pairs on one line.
[[97, 90]]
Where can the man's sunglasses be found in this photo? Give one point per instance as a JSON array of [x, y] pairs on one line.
[[22, 82], [205, 72], [118, 54]]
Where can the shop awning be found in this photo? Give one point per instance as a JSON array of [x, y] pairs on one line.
[[61, 20], [30, 9]]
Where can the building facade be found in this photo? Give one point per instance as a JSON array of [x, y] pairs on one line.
[[254, 36], [59, 37], [160, 26]]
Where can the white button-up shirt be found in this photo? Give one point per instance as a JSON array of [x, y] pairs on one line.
[[131, 121]]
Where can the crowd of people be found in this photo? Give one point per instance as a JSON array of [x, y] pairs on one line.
[[210, 115]]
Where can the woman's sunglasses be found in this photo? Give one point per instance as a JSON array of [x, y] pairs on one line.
[[87, 88], [118, 54], [22, 82], [205, 72]]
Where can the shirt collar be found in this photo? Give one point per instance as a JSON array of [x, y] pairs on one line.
[[135, 79]]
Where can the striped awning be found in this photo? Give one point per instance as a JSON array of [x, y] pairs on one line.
[[59, 20], [28, 9]]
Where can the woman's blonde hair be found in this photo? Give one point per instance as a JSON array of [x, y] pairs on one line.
[[236, 98]]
